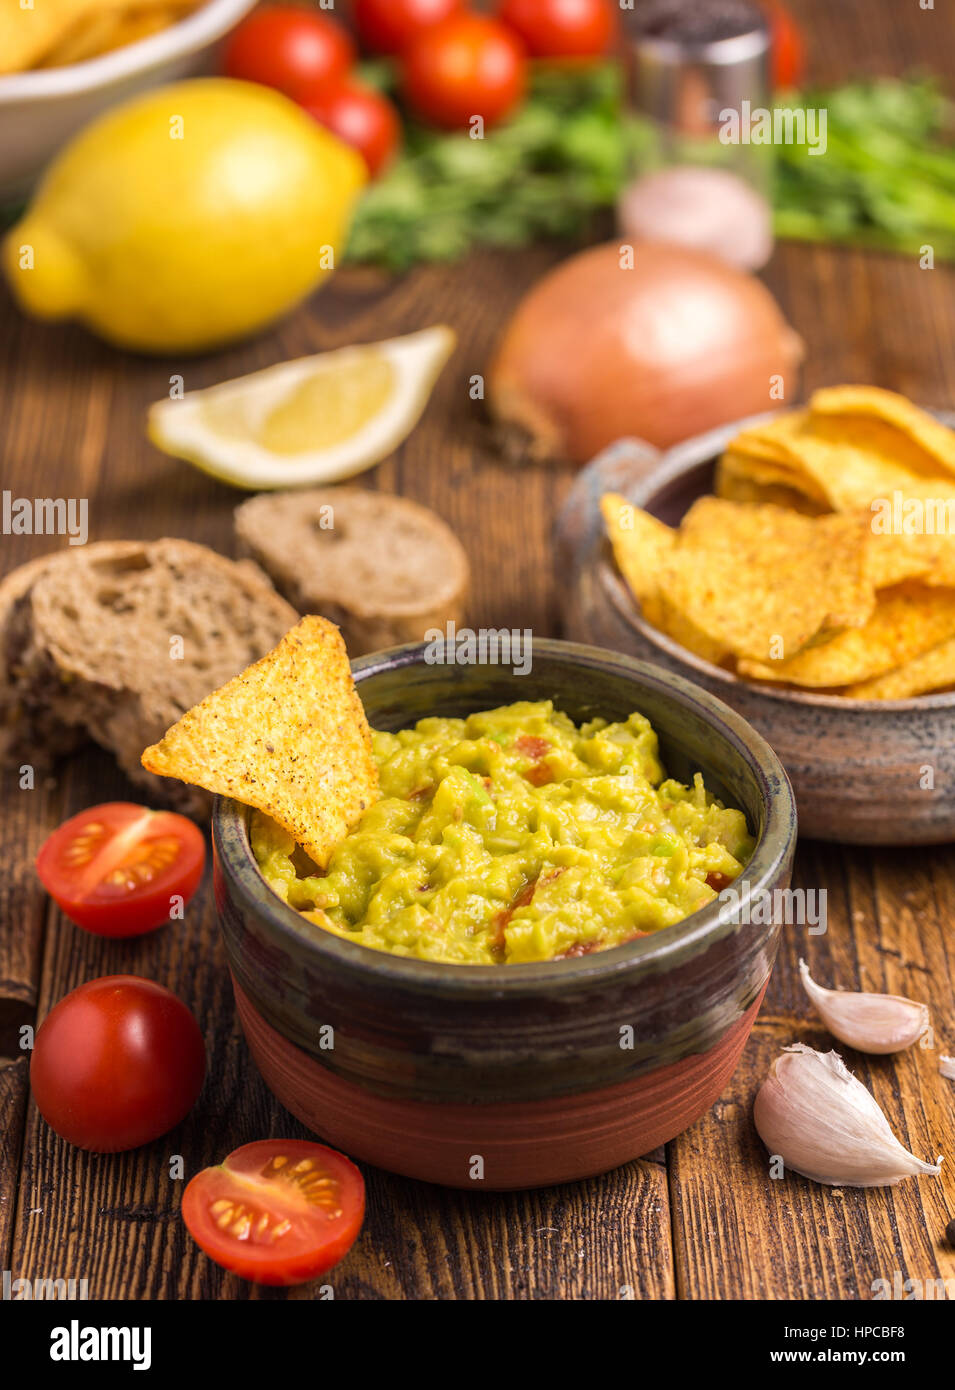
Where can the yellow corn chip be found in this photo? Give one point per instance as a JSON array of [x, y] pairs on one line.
[[741, 478], [683, 630], [933, 670], [931, 445], [763, 580], [288, 736], [850, 477], [54, 33], [640, 543], [772, 441], [908, 620]]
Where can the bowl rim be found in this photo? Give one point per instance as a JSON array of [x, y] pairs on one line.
[[674, 463], [652, 954], [210, 21]]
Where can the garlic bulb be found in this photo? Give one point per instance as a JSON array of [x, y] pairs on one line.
[[823, 1123], [868, 1022]]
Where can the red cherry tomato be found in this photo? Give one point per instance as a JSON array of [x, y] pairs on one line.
[[363, 118], [560, 28], [388, 26], [788, 47], [288, 47], [115, 869], [279, 1211], [469, 65], [116, 1063]]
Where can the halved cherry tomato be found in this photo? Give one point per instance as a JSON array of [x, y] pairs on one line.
[[279, 1211], [561, 28], [363, 118], [466, 66], [389, 26], [114, 869], [116, 1063], [289, 47]]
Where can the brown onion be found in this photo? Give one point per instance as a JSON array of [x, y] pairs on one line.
[[671, 347]]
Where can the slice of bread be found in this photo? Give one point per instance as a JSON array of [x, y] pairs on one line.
[[383, 568], [116, 640]]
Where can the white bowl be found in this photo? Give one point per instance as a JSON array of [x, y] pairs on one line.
[[40, 110]]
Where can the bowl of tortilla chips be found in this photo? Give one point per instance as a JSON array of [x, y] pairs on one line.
[[801, 566], [62, 62]]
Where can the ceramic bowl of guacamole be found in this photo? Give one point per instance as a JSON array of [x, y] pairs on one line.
[[537, 956]]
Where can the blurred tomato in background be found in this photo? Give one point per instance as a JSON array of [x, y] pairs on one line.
[[290, 47], [560, 28], [389, 26], [363, 118], [788, 46], [468, 65]]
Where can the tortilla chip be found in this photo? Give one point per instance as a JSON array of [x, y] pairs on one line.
[[854, 444], [929, 446], [740, 478], [640, 544], [55, 33], [892, 559], [683, 630], [763, 579], [908, 620], [913, 535], [851, 475], [288, 736], [933, 670], [772, 441]]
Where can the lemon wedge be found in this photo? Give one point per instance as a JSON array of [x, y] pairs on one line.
[[313, 420]]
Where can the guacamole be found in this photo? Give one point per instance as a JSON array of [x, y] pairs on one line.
[[514, 836]]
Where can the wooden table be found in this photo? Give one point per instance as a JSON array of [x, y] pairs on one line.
[[703, 1219]]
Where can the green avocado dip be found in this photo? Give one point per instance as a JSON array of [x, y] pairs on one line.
[[514, 836]]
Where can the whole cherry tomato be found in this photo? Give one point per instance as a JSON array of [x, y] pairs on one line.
[[787, 46], [289, 47], [389, 26], [469, 65], [561, 28], [363, 118], [116, 1063]]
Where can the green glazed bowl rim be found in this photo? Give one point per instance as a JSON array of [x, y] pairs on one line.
[[651, 954]]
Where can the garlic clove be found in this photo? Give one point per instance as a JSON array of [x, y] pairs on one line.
[[823, 1123], [946, 1066], [877, 1023]]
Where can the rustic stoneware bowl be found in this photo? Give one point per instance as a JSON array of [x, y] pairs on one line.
[[860, 768], [514, 1073]]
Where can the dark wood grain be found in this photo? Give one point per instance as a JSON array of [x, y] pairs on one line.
[[71, 424]]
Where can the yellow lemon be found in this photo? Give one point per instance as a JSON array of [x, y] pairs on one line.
[[186, 218]]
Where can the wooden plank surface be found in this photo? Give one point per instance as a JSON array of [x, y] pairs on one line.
[[705, 1221]]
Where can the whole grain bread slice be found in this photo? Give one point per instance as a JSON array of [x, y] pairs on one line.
[[26, 736], [116, 640], [383, 568]]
